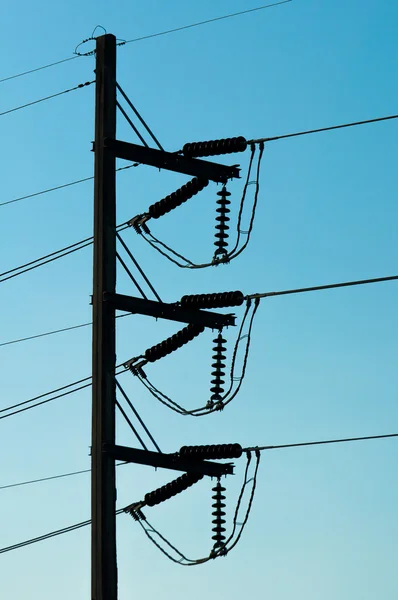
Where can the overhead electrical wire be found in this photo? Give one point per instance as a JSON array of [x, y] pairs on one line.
[[60, 187], [55, 331], [77, 87], [322, 129], [322, 442], [52, 256], [52, 477], [199, 23], [329, 286], [146, 37], [46, 536]]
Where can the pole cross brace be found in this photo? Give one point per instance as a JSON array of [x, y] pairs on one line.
[[171, 312], [168, 461]]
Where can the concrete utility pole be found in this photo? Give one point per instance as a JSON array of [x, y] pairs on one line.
[[103, 491], [106, 301]]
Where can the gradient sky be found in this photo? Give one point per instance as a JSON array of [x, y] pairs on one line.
[[322, 365]]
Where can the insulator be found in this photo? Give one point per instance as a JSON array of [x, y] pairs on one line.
[[218, 514], [218, 373], [222, 226], [217, 300], [177, 198], [172, 489], [213, 147], [213, 451], [173, 343]]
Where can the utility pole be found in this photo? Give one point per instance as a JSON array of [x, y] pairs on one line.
[[105, 303], [103, 491]]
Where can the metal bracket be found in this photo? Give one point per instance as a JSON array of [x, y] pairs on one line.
[[172, 161], [168, 461], [171, 312]]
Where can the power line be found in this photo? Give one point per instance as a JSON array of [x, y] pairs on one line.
[[21, 410], [43, 260], [53, 64], [39, 335], [146, 37], [50, 535], [329, 286], [229, 16], [60, 187], [309, 131], [77, 87], [43, 479], [55, 331], [318, 443]]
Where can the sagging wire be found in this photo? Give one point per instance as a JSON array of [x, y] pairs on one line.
[[221, 256], [227, 397], [222, 548]]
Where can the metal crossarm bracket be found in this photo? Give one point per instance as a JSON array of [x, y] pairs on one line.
[[172, 162], [168, 461], [172, 312]]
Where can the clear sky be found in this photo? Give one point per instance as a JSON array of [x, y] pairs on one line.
[[322, 365]]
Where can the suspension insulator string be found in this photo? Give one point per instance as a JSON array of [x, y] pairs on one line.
[[221, 235], [218, 519], [218, 374]]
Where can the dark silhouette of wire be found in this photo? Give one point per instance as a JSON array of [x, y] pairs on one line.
[[242, 12], [145, 37], [38, 262], [242, 202], [44, 479], [330, 286], [53, 64], [64, 387], [60, 187], [133, 108], [60, 389], [236, 252], [55, 331], [39, 335], [47, 536], [77, 87], [321, 442], [48, 258], [21, 410], [322, 129]]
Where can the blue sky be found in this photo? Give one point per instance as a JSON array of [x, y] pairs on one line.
[[321, 365]]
